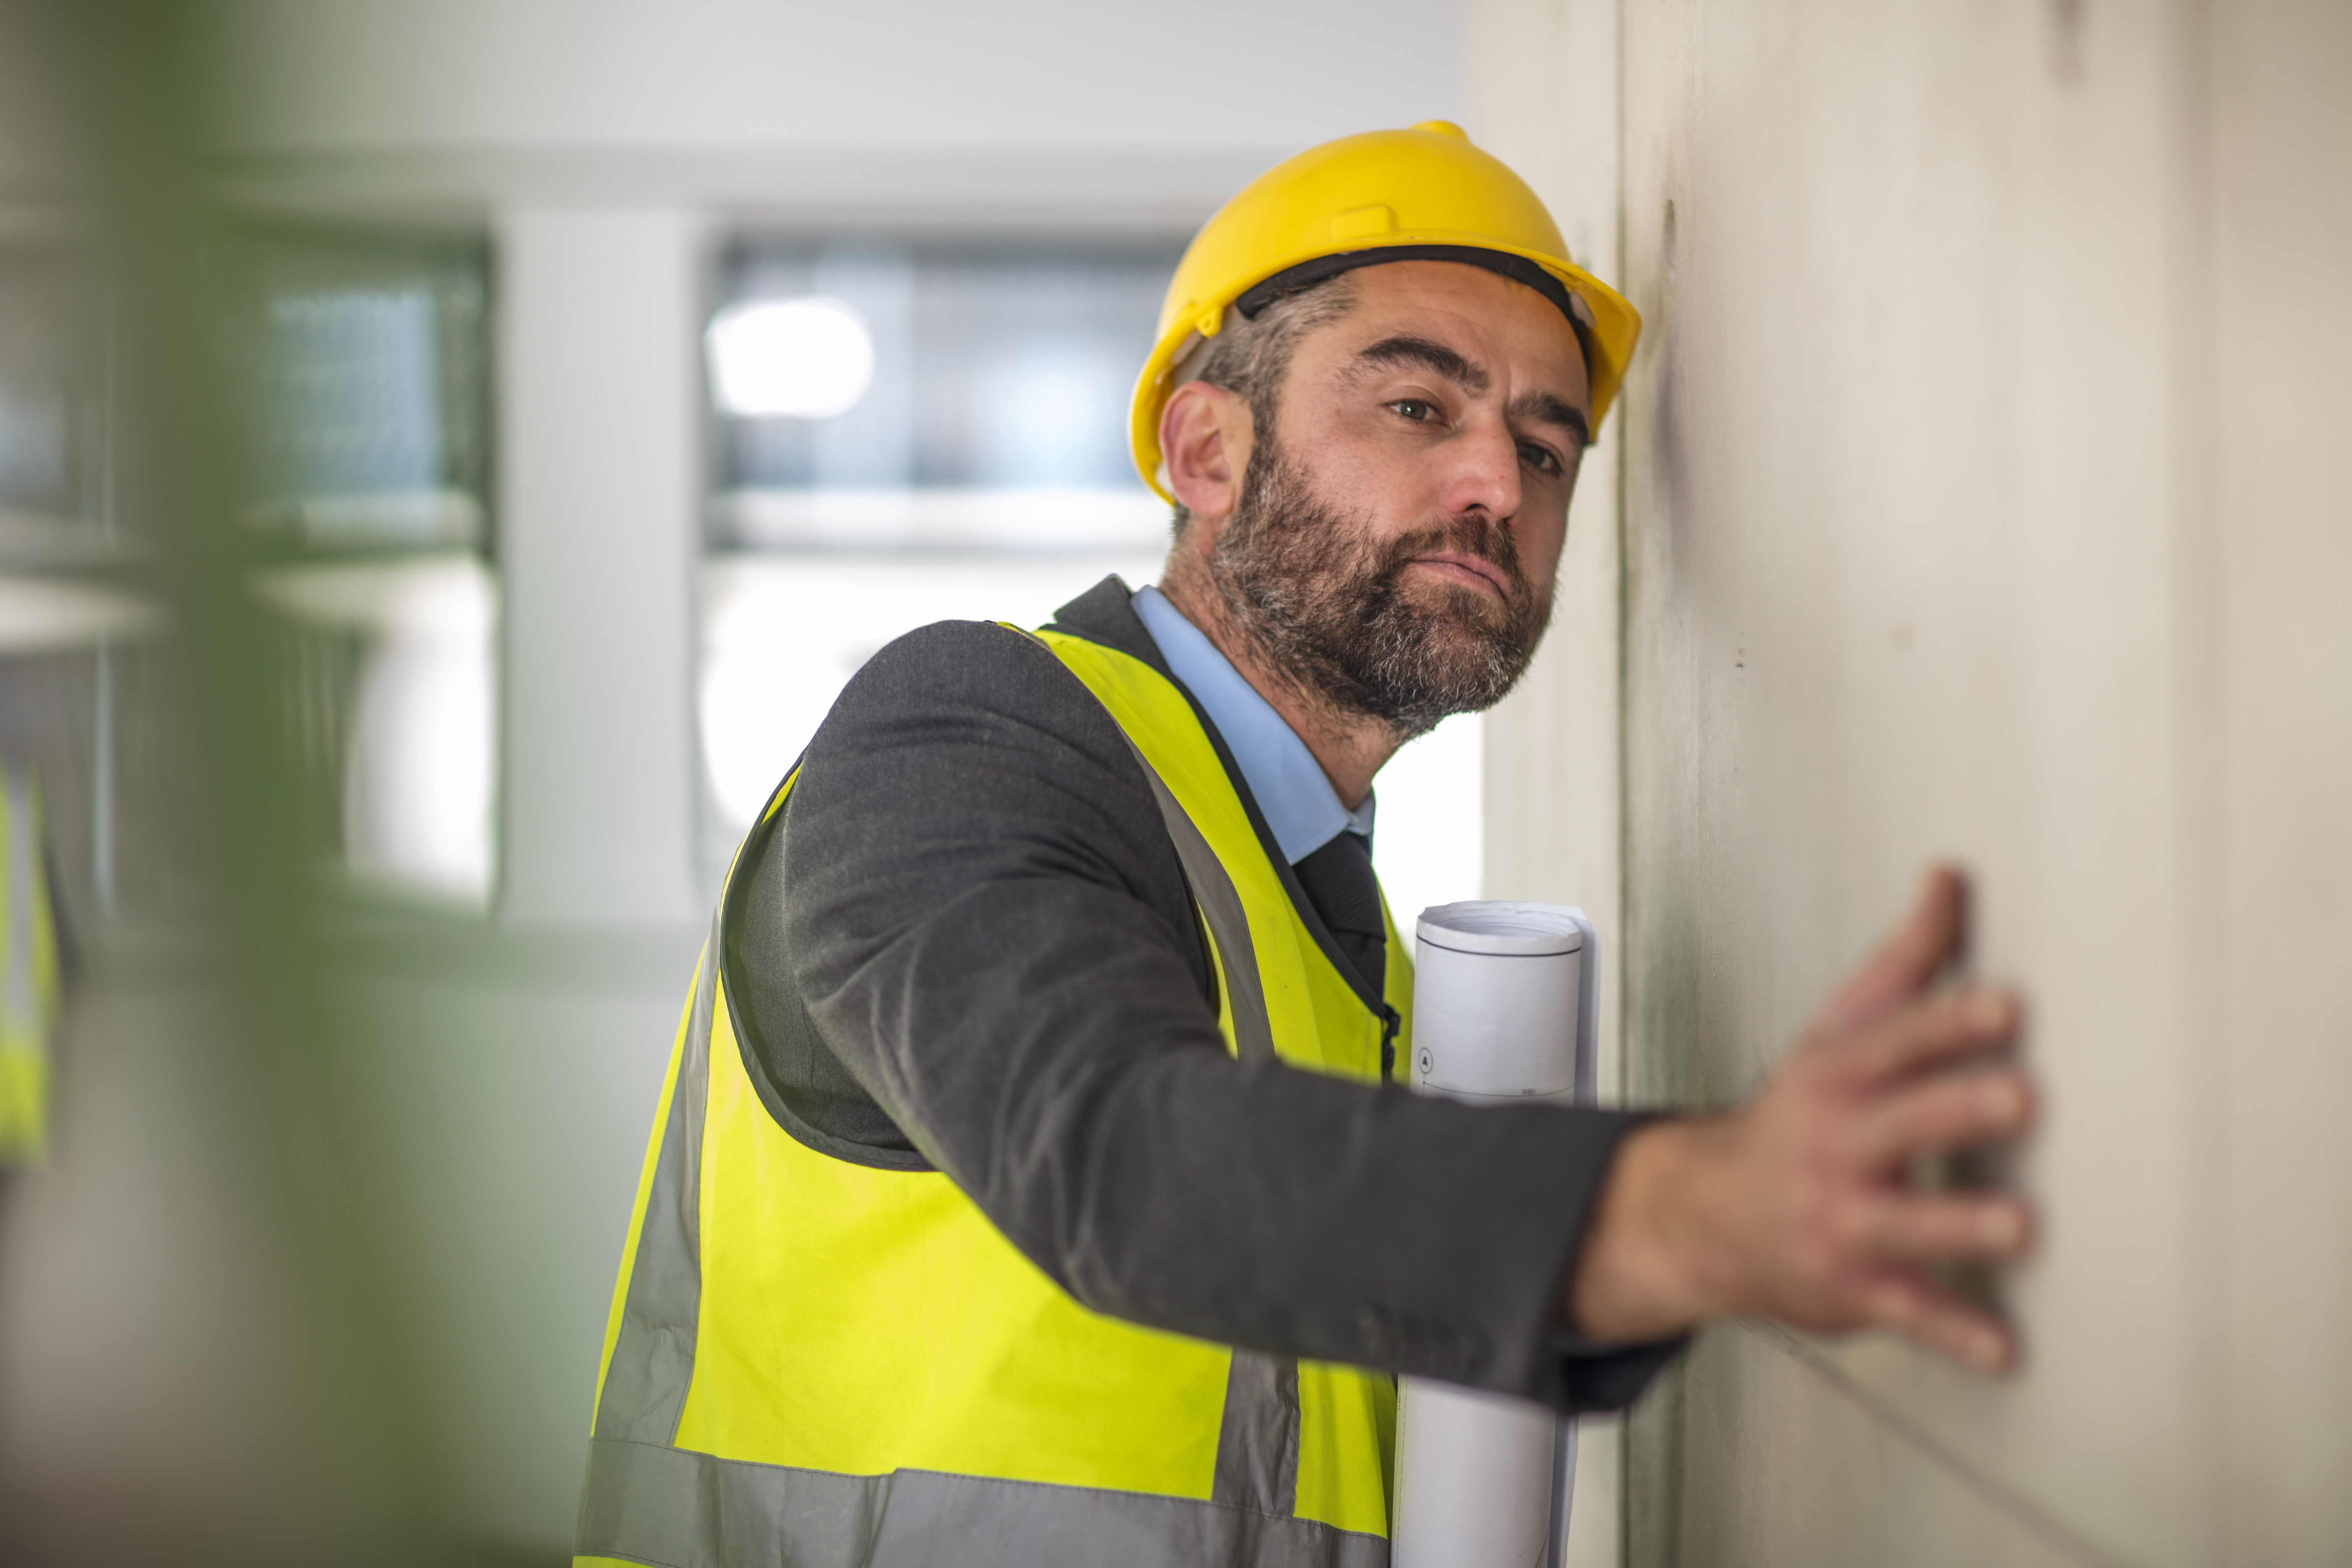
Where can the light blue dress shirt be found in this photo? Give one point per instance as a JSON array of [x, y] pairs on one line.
[[1300, 803]]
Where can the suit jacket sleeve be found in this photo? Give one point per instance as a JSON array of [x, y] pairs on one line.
[[983, 924]]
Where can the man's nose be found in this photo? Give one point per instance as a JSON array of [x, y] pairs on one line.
[[1485, 476]]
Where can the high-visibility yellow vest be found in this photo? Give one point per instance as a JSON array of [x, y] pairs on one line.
[[817, 1362], [28, 975]]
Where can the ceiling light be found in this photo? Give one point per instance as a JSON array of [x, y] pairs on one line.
[[809, 358]]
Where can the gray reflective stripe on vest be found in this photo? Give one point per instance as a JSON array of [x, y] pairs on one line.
[[653, 1356], [1221, 905], [1258, 1446], [1257, 1442], [1214, 890], [681, 1510]]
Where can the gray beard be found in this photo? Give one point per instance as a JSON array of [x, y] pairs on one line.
[[1324, 605]]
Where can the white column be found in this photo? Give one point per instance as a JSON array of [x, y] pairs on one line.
[[598, 538]]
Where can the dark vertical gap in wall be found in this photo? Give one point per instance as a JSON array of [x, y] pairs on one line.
[[1624, 642], [1638, 1429], [2200, 747]]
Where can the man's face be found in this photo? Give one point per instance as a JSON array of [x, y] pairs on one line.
[[1397, 530]]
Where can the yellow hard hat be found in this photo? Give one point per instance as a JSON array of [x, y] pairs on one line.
[[1425, 194]]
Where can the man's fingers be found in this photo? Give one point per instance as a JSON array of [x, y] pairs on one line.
[[1948, 1112], [1942, 1322], [1907, 962], [1910, 1228], [1969, 1023]]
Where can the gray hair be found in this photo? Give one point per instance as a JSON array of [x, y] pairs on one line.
[[1251, 356]]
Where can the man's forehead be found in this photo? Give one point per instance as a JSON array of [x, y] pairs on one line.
[[1468, 309]]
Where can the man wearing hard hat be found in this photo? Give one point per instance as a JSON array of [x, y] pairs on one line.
[[1029, 1186]]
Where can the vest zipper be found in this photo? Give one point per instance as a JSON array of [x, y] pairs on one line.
[[1390, 1021]]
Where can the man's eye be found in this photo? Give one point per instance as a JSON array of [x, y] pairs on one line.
[[1413, 408], [1543, 458]]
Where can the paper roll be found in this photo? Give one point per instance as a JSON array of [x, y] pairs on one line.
[[1503, 1010]]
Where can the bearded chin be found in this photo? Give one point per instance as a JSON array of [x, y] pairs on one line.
[[1330, 608]]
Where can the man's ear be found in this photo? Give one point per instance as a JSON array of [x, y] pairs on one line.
[[1204, 438]]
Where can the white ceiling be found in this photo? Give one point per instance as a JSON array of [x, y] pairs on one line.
[[1030, 106]]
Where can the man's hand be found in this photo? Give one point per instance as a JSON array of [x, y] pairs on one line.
[[1799, 1206]]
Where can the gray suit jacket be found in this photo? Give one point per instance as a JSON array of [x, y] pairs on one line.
[[970, 949]]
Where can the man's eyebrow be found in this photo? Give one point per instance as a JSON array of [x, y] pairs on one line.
[[1540, 407], [1544, 408], [1405, 349]]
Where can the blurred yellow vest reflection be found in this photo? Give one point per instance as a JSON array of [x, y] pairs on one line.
[[29, 975]]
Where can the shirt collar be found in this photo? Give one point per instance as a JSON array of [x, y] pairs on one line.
[[1299, 805]]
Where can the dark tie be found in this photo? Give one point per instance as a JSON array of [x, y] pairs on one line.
[[1340, 883]]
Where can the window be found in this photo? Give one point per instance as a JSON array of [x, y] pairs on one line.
[[904, 431], [69, 628], [366, 364]]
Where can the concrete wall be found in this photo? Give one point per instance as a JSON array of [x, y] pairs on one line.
[[2272, 572], [1984, 495]]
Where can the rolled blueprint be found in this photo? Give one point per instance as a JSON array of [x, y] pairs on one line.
[[1502, 1006]]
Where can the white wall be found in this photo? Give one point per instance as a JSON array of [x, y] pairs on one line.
[[1982, 497]]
